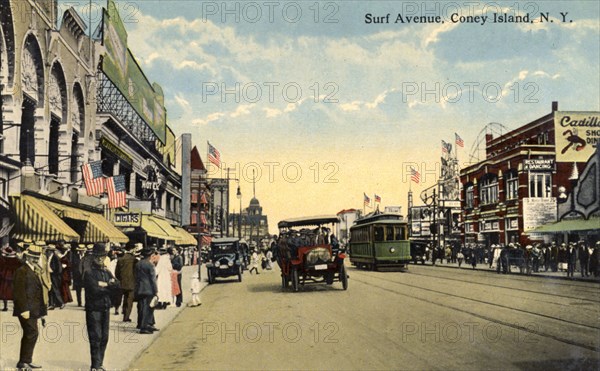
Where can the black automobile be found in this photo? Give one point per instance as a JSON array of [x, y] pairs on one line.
[[225, 259]]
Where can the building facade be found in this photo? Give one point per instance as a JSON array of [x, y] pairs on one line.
[[70, 100], [522, 180]]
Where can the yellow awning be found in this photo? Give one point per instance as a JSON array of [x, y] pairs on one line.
[[185, 238], [35, 221], [172, 234], [153, 229], [97, 228]]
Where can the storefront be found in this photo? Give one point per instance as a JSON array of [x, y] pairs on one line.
[[42, 218]]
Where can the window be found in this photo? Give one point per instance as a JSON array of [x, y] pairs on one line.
[[540, 185], [400, 233], [470, 197], [512, 185], [27, 139], [378, 231], [389, 233], [53, 146], [489, 189], [73, 168]]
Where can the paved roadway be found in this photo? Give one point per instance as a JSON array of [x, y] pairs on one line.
[[429, 318]]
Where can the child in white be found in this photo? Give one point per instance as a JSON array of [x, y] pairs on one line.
[[195, 288]]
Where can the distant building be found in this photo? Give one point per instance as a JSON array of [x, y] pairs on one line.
[[347, 219], [253, 225]]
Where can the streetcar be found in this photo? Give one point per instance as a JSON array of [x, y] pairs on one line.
[[379, 241], [310, 255]]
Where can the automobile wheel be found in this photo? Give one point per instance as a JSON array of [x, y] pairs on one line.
[[240, 274], [343, 277], [295, 280]]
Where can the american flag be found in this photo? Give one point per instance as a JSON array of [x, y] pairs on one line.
[[117, 192], [93, 178], [459, 141], [444, 147], [214, 156], [367, 199], [414, 175], [377, 199]]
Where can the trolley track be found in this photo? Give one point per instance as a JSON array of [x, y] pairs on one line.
[[516, 326], [596, 293]]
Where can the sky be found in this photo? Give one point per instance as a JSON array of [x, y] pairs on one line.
[[325, 106]]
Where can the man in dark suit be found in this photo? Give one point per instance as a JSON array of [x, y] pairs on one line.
[[76, 256], [125, 273], [56, 273], [29, 303], [146, 289], [571, 259], [177, 263], [99, 284]]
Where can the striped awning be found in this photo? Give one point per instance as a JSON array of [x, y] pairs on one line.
[[97, 228], [206, 240], [171, 233], [35, 221], [152, 228], [185, 239]]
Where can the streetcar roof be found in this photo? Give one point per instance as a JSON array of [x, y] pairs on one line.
[[381, 222], [308, 220]]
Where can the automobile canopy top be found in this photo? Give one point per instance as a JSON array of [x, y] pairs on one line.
[[308, 220], [217, 241]]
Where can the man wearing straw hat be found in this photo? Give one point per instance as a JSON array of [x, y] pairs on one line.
[[99, 284], [29, 303]]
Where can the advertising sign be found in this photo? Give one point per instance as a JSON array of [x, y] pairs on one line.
[[542, 165], [577, 135], [128, 219], [538, 211], [121, 68]]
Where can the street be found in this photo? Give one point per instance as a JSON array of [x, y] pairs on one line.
[[428, 318]]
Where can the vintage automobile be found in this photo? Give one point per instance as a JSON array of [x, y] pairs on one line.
[[224, 259], [418, 251], [310, 255]]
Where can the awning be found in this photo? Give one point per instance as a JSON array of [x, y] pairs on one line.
[[35, 221], [97, 228], [185, 238], [206, 240], [573, 225], [171, 233], [152, 228]]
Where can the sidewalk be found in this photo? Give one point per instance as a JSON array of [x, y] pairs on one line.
[[63, 343], [515, 271]]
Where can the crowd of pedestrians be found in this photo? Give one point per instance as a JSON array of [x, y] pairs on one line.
[[38, 277], [582, 257]]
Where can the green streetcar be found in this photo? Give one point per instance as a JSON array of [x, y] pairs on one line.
[[380, 241]]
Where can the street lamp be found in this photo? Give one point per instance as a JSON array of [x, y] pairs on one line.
[[239, 196]]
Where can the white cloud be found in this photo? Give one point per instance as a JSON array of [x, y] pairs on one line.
[[272, 112], [349, 107], [210, 118], [241, 110], [181, 101]]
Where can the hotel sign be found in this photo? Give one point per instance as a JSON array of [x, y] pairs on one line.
[[577, 135], [539, 165], [128, 219]]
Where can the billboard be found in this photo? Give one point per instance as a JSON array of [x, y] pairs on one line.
[[122, 69], [577, 135], [538, 211]]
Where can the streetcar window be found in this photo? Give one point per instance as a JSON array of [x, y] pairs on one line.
[[389, 233], [400, 233], [378, 233]]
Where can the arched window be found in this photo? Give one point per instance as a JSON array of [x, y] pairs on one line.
[[469, 196]]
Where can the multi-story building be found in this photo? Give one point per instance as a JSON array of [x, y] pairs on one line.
[[199, 225], [252, 225], [526, 173], [68, 100]]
